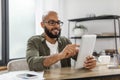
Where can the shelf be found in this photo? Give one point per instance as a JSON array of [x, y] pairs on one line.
[[95, 18], [102, 17], [98, 37]]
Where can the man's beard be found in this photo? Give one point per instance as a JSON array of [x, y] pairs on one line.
[[50, 34]]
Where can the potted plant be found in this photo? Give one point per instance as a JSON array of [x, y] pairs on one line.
[[79, 30]]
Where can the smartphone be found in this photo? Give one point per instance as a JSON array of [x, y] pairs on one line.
[[27, 76], [30, 75]]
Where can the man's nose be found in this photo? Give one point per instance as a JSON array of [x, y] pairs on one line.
[[57, 25]]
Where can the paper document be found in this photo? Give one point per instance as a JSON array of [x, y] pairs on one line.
[[21, 75]]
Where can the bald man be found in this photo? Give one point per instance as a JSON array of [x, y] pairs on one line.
[[50, 50]]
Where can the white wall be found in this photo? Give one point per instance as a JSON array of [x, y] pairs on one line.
[[116, 4], [81, 8]]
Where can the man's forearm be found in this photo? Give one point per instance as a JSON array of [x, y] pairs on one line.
[[68, 51], [51, 59]]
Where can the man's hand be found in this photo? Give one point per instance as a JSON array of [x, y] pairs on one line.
[[90, 62], [69, 51]]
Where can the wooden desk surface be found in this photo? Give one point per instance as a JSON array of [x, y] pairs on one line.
[[71, 73], [3, 68]]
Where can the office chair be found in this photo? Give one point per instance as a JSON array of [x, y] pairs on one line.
[[17, 65]]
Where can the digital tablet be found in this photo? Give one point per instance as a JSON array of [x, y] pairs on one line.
[[86, 48]]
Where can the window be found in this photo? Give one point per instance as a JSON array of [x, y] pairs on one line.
[[17, 25], [21, 26]]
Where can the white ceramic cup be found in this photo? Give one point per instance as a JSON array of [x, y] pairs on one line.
[[104, 59]]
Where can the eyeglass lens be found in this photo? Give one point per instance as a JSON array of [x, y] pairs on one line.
[[53, 23]]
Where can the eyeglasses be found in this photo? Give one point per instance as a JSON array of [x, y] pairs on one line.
[[53, 23]]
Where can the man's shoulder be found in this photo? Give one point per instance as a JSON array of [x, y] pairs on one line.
[[64, 39], [36, 37]]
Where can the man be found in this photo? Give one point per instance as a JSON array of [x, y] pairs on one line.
[[50, 50]]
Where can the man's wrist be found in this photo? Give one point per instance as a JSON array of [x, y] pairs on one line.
[[60, 56]]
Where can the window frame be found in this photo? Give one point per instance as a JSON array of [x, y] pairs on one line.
[[5, 31]]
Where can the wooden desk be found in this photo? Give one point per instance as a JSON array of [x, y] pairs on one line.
[[3, 68], [71, 73]]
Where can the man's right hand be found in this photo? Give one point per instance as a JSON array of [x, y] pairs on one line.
[[69, 51]]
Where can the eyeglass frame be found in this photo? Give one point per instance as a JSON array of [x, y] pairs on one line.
[[53, 23]]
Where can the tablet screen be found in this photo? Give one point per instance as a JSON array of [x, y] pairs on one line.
[[86, 48]]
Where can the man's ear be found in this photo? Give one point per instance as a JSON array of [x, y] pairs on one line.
[[42, 24]]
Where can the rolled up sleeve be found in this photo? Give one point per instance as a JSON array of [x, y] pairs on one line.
[[35, 61]]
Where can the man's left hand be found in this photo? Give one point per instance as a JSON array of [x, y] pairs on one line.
[[90, 62]]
